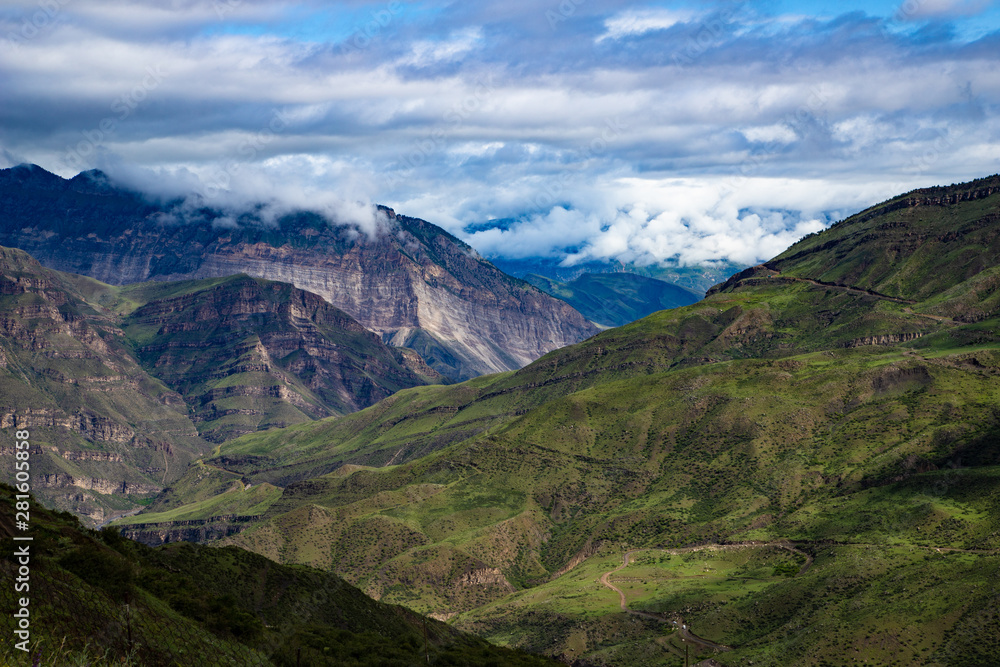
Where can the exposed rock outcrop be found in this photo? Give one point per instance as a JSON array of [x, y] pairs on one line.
[[195, 530]]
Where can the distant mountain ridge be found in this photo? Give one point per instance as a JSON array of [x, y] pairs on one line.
[[615, 299], [416, 285]]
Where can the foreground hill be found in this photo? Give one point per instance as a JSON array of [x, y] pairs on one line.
[[614, 299], [125, 386], [840, 442], [97, 599], [412, 283]]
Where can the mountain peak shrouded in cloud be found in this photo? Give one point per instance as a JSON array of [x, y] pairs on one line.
[[264, 194], [625, 131]]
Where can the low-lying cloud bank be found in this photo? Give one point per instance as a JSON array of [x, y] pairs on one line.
[[267, 192]]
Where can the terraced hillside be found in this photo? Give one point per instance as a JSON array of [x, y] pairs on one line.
[[855, 423]]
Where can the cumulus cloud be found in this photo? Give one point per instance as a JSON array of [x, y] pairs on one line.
[[687, 221]]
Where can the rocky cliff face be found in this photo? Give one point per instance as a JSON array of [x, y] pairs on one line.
[[248, 354], [120, 388], [413, 283], [102, 429]]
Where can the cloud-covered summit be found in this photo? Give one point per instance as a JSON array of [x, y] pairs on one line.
[[640, 131]]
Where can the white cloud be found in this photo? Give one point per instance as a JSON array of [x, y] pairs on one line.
[[636, 22], [336, 190], [768, 134], [495, 120], [427, 52], [690, 221]]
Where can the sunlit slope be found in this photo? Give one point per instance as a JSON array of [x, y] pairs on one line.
[[916, 246], [787, 405], [774, 320]]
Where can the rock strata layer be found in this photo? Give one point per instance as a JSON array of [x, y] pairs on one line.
[[410, 282]]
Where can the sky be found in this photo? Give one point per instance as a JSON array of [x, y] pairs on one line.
[[645, 132]]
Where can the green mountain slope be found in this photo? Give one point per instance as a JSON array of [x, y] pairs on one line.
[[614, 299], [98, 599], [790, 409], [917, 246]]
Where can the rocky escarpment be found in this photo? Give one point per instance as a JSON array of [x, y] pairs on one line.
[[939, 196], [247, 354], [412, 283], [102, 429], [192, 530]]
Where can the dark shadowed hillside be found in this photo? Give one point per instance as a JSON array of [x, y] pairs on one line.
[[98, 599]]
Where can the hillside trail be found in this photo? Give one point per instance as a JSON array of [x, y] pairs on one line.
[[848, 288], [681, 625], [871, 293]]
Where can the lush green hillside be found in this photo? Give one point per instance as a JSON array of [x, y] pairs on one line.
[[847, 436], [614, 299], [918, 246], [97, 599]]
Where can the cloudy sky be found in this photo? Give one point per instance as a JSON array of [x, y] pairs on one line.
[[600, 129]]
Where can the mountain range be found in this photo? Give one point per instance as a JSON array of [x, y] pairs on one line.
[[801, 468], [126, 385], [410, 282]]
